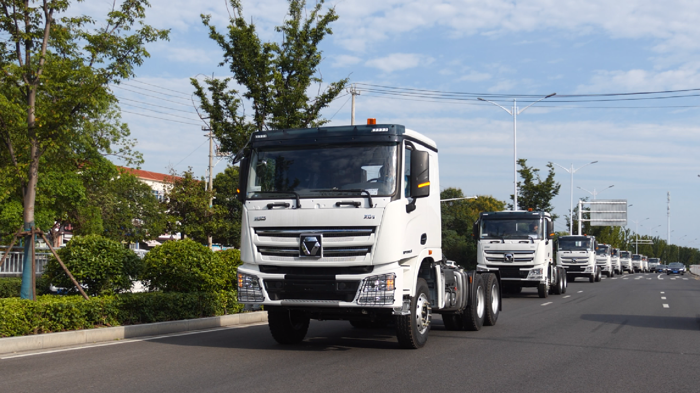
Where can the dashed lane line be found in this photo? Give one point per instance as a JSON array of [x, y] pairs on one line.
[[673, 279], [546, 304], [625, 278], [685, 278], [579, 292], [663, 297], [567, 296], [666, 305], [648, 278], [663, 292]]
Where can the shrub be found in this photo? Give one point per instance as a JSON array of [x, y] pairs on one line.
[[186, 266], [60, 313], [102, 265], [232, 260], [10, 287]]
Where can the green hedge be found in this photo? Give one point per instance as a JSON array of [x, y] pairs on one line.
[[10, 286], [49, 313]]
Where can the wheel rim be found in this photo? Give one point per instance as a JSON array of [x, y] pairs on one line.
[[422, 313], [494, 299], [480, 307]]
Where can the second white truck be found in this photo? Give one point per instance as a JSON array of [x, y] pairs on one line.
[[576, 254]]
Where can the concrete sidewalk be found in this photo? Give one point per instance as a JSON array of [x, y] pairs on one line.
[[89, 336]]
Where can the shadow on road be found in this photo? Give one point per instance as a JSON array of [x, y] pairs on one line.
[[646, 321]]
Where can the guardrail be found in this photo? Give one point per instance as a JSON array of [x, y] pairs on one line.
[[14, 263], [695, 269]]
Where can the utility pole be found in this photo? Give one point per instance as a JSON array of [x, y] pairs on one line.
[[668, 217], [353, 90], [211, 170]]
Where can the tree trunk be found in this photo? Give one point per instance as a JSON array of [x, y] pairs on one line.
[[27, 290]]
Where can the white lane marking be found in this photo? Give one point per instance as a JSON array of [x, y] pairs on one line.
[[625, 278], [567, 296], [665, 305], [648, 278], [663, 292], [663, 297], [638, 278], [546, 304], [133, 340], [685, 278], [659, 277], [614, 278], [673, 279], [580, 292]]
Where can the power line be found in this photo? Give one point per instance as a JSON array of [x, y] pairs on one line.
[[159, 118], [197, 148], [162, 113], [159, 106], [155, 91], [160, 87], [148, 95]]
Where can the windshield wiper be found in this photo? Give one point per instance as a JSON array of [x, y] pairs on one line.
[[283, 192], [361, 191]]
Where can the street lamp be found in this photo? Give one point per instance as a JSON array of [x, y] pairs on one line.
[[515, 112], [594, 192], [571, 203]]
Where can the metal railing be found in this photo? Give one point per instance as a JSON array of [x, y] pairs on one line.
[[14, 263]]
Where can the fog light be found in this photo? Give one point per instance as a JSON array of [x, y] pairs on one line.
[[249, 289], [535, 273], [377, 290]]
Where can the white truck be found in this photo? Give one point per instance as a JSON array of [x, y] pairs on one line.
[[603, 259], [576, 254], [626, 261], [343, 223], [637, 263], [615, 260], [519, 246], [653, 263]]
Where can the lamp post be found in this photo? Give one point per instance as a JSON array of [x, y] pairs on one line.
[[515, 112], [594, 192], [571, 202]]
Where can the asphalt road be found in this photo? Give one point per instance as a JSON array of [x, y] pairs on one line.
[[632, 333]]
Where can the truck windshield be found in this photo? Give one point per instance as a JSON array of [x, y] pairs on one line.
[[323, 171], [624, 254], [615, 252], [602, 250], [574, 244], [511, 228], [653, 260], [636, 257]]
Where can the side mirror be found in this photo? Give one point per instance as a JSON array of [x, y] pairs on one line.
[[242, 179], [420, 174], [475, 229]]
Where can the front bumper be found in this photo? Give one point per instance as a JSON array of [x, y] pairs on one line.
[[380, 287], [579, 270], [526, 275]]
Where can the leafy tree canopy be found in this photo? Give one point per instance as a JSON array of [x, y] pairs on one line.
[[533, 192]]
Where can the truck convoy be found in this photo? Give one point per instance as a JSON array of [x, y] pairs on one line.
[[518, 246], [577, 255], [343, 223], [615, 260], [604, 259]]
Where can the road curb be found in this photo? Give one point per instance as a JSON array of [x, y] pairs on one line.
[[90, 336]]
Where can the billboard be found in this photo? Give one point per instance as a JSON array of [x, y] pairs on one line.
[[608, 212]]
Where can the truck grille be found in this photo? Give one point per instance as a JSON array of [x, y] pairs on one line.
[[339, 244], [311, 289], [518, 256], [575, 268], [511, 272]]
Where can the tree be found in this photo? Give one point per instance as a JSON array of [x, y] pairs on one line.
[[188, 206], [458, 218], [533, 192], [277, 77], [56, 73], [225, 185]]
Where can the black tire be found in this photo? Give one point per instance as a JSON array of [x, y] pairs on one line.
[[558, 287], [598, 276], [566, 283], [474, 315], [412, 330], [287, 326], [592, 277], [493, 300], [452, 321], [543, 290]]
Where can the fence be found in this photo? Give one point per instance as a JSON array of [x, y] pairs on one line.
[[695, 269], [14, 263]]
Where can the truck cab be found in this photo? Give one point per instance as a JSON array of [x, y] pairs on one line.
[[637, 263], [645, 263], [519, 246], [653, 263], [576, 254], [615, 260], [603, 259], [343, 223], [626, 261]]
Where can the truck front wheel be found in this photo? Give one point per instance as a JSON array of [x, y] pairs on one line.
[[543, 289], [475, 313], [598, 276], [412, 330], [287, 326]]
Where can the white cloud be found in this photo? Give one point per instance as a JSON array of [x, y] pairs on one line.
[[345, 61], [474, 76], [399, 61], [683, 77]]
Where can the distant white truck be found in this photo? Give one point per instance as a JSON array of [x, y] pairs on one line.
[[604, 259], [519, 246], [626, 261], [576, 254], [615, 260], [653, 263], [637, 263]]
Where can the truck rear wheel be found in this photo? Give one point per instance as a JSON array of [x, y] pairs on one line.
[[412, 330], [475, 313], [287, 326], [493, 300]]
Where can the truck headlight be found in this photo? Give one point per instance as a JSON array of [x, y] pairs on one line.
[[535, 273], [249, 289], [588, 269], [377, 290]]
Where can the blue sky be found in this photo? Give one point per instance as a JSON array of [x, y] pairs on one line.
[[491, 47]]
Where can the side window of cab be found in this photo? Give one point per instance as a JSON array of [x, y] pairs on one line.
[[407, 172]]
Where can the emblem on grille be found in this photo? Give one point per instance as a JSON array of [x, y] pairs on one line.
[[311, 246], [508, 257]]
